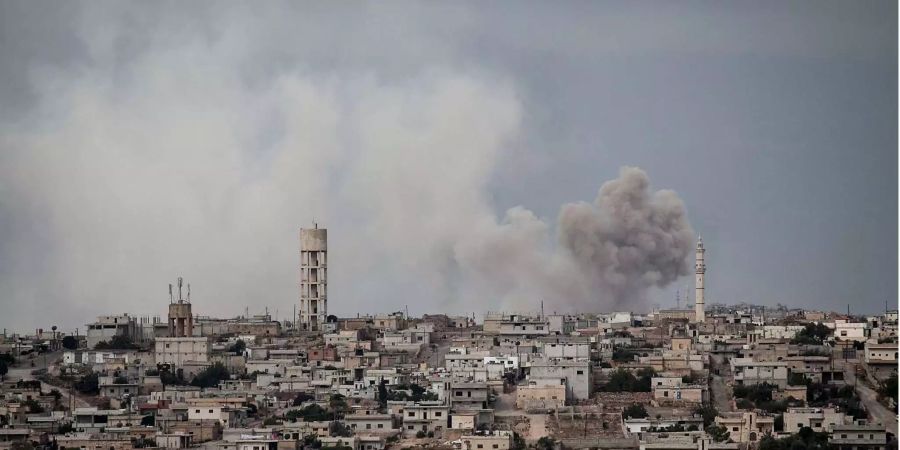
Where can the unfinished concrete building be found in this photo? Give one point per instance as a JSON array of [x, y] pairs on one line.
[[313, 278]]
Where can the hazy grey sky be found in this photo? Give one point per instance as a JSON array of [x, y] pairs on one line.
[[140, 142]]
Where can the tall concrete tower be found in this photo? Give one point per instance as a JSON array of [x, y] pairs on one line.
[[313, 278], [699, 313], [181, 320]]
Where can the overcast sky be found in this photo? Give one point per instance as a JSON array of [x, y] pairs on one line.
[[143, 142]]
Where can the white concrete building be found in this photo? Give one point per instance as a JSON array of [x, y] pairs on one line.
[[177, 351], [818, 419]]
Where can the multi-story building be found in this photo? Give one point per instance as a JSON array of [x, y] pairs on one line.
[[818, 419], [108, 327], [858, 436]]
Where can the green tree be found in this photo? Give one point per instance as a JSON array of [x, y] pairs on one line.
[[635, 411], [888, 388], [211, 376], [546, 443], [812, 334], [310, 413], [118, 342], [624, 381], [518, 442], [805, 439], [238, 347], [382, 395], [718, 433], [339, 429], [708, 413], [70, 343], [301, 398], [33, 406], [88, 384]]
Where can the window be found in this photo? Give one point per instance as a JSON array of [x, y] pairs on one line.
[[496, 446], [368, 426], [411, 414], [580, 372], [210, 411], [380, 425], [480, 446], [197, 411], [409, 427], [734, 428], [437, 414], [459, 393]]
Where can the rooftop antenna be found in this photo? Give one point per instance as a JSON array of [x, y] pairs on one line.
[[180, 282], [677, 299], [542, 309], [189, 293], [171, 298]]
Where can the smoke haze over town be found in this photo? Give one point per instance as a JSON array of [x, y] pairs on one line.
[[464, 157]]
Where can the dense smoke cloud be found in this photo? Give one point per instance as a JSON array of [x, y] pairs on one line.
[[170, 155], [608, 255], [630, 239]]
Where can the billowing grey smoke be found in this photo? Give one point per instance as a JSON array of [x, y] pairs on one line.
[[607, 255], [629, 239]]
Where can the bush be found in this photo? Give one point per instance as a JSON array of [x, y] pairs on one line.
[[718, 433], [624, 381], [805, 439], [117, 343], [310, 413], [635, 411], [238, 347], [33, 406], [211, 376], [420, 434], [546, 443], [812, 334], [708, 413], [888, 388], [302, 398], [270, 421], [70, 343], [623, 355], [88, 384]]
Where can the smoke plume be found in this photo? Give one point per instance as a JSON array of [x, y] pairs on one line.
[[630, 239], [175, 150]]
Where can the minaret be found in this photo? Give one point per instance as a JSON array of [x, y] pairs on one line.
[[699, 313]]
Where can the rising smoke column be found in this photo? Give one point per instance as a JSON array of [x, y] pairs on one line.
[[629, 240]]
